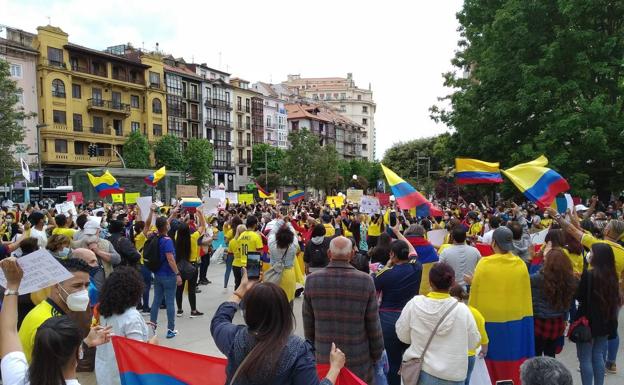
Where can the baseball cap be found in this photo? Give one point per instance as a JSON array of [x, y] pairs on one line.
[[90, 228], [581, 207], [503, 238]]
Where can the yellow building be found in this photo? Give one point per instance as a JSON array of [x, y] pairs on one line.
[[89, 97]]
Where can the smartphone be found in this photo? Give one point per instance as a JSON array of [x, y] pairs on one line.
[[253, 266], [505, 382], [393, 218]]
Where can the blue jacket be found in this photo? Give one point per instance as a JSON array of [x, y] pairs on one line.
[[297, 365], [541, 306]]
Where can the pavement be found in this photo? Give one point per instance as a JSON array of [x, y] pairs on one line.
[[194, 333]]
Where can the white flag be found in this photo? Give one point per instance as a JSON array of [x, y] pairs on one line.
[[25, 170]]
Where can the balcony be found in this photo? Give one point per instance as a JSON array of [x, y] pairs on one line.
[[56, 128], [99, 130], [108, 106], [223, 165], [218, 124], [218, 103], [156, 86], [242, 162], [220, 143], [76, 159], [54, 63], [194, 96]]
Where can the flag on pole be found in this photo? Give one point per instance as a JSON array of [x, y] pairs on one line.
[[153, 179], [473, 171], [537, 182], [296, 196], [407, 197], [262, 192], [25, 170], [141, 363], [105, 184]]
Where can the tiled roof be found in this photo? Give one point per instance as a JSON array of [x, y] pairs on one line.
[[183, 71]]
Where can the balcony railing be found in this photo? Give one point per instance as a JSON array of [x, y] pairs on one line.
[[217, 123], [223, 165], [58, 94], [194, 96], [218, 103], [156, 86], [108, 105], [54, 63], [99, 130]]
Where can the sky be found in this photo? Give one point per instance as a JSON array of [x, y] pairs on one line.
[[400, 47]]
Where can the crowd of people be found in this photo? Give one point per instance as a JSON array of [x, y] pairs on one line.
[[378, 296]]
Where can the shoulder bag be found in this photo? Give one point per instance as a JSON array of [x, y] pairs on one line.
[[274, 274], [410, 370], [579, 331]]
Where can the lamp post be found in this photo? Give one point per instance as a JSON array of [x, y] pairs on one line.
[[39, 171]]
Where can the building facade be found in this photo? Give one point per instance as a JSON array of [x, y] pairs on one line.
[[275, 116], [355, 103], [184, 96], [16, 47], [243, 138], [90, 97]]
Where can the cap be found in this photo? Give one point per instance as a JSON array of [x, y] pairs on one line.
[[581, 207], [503, 238], [90, 228]]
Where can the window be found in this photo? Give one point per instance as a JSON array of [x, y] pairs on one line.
[[239, 103], [134, 101], [96, 93], [248, 155], [194, 111], [268, 121], [194, 94], [315, 96], [76, 91], [154, 79], [58, 88], [77, 122], [16, 70], [247, 123], [98, 124], [249, 168], [157, 130], [20, 96], [359, 97], [268, 135], [55, 57], [135, 126], [59, 117], [240, 121], [80, 148], [365, 109], [248, 139], [240, 138], [208, 93], [240, 171], [183, 110], [156, 106], [60, 146], [365, 121], [247, 105], [343, 95]]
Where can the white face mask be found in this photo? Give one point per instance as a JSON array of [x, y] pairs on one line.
[[77, 301]]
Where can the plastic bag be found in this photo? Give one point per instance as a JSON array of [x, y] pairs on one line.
[[480, 375], [218, 254]]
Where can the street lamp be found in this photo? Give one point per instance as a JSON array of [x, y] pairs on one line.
[[39, 171]]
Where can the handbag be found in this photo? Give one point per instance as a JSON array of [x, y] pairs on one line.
[[187, 270], [274, 274], [579, 331], [410, 370]]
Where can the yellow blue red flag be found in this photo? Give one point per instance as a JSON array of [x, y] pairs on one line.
[[474, 171], [153, 179], [105, 184]]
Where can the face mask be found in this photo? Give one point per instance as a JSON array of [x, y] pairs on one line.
[[64, 253], [9, 220], [77, 301]]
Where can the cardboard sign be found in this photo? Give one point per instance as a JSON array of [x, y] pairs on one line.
[[334, 201], [211, 206], [117, 198], [183, 190], [384, 198], [76, 197], [437, 237], [354, 195], [131, 198], [369, 205], [41, 270], [245, 198]]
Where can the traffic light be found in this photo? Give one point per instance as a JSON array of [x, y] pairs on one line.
[[92, 150]]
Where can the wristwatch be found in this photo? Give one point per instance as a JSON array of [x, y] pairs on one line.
[[10, 292]]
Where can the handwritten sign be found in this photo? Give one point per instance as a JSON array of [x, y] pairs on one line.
[[188, 191], [220, 194], [354, 195], [369, 205], [117, 198], [131, 198], [41, 270], [66, 208], [144, 204]]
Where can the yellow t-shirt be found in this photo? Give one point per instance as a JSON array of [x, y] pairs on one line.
[[618, 251], [329, 230], [442, 247], [228, 232], [38, 315], [69, 233], [577, 261], [235, 251], [475, 229], [480, 321], [194, 247], [374, 228], [249, 243], [139, 244]]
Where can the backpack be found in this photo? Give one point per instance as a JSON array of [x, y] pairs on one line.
[[151, 253], [318, 255]]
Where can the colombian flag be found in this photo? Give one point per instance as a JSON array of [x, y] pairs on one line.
[[473, 171], [105, 184], [296, 196], [153, 179], [538, 183], [407, 197], [427, 256], [501, 291], [262, 192], [145, 364]]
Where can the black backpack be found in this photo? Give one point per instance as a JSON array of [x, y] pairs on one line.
[[151, 253]]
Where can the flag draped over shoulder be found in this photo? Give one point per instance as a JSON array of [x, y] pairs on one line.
[[106, 184], [501, 291], [473, 171], [407, 197], [296, 196], [537, 182], [153, 179], [145, 364]]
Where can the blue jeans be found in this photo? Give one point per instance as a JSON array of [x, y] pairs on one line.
[[613, 344], [394, 347], [147, 280], [471, 364], [164, 286], [228, 269], [428, 379], [381, 370], [591, 357]]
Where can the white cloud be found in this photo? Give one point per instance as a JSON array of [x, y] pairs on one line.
[[401, 48]]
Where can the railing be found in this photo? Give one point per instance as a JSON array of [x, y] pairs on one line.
[[223, 164], [120, 76], [99, 72], [217, 123], [78, 68], [218, 103], [99, 130], [239, 107], [58, 127], [109, 105], [77, 128], [55, 63], [156, 86]]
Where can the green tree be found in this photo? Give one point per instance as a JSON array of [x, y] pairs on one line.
[[11, 124], [167, 153], [413, 160], [300, 161], [545, 77], [198, 156], [270, 182], [325, 170], [136, 151], [274, 156]]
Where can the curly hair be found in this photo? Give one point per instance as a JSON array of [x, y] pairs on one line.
[[121, 290], [57, 242], [559, 284]]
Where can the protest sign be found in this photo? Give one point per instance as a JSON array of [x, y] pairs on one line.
[[117, 198], [144, 204], [539, 238], [245, 198], [369, 205], [232, 197], [384, 198], [75, 197], [211, 205], [183, 190], [334, 201], [25, 170], [131, 198], [354, 195], [437, 237], [220, 194], [41, 270], [66, 208]]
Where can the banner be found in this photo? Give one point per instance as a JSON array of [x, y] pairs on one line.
[[354, 195], [75, 197], [131, 198], [183, 190], [384, 198], [245, 198], [334, 201], [369, 205], [117, 198]]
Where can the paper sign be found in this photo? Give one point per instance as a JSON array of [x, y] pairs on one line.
[[75, 197], [569, 202], [131, 198], [117, 198], [25, 170], [384, 198], [245, 198], [354, 195], [232, 197], [437, 237], [334, 201], [211, 205], [183, 190], [369, 205], [41, 270], [65, 208], [220, 194], [539, 238], [144, 204]]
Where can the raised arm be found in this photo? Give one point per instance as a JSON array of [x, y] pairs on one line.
[[397, 232], [148, 222], [10, 341]]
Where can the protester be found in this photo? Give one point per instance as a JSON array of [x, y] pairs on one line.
[[187, 257], [452, 325], [96, 273], [315, 253], [38, 221], [494, 224], [544, 371], [374, 230], [283, 248], [249, 244], [58, 246], [63, 226], [340, 306], [122, 245], [207, 244], [56, 345], [461, 257], [103, 249], [234, 257]]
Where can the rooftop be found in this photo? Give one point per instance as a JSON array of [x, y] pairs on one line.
[[79, 48]]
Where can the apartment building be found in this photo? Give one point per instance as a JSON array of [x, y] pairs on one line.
[[345, 97], [91, 97], [275, 116], [243, 139]]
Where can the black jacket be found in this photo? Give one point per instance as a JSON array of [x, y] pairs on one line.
[[598, 323], [129, 254]]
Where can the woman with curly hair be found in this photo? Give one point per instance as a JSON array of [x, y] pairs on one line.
[[58, 246], [552, 289], [118, 300]]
